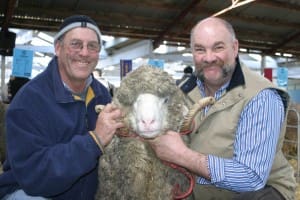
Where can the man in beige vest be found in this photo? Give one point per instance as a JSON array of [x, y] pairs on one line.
[[235, 151]]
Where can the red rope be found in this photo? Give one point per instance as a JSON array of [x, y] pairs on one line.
[[177, 193]]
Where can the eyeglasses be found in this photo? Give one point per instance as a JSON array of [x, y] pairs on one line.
[[77, 45]]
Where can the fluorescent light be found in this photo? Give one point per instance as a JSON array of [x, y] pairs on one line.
[[180, 48], [187, 55], [288, 55], [278, 54]]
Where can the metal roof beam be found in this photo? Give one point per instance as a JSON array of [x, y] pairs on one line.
[[284, 42], [183, 13]]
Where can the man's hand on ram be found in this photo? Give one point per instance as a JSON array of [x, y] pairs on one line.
[[109, 120]]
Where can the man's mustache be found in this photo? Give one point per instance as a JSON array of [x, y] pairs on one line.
[[213, 63]]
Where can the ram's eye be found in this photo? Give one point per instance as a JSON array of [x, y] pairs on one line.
[[166, 100]]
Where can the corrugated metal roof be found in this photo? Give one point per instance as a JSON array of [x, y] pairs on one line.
[[266, 25]]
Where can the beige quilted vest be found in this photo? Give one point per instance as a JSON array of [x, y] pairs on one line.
[[216, 136]]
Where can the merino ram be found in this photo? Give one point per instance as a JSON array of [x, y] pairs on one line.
[[129, 169]]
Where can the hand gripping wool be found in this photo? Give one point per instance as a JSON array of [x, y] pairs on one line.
[[129, 169]]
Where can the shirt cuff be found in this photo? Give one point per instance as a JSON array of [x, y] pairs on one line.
[[216, 166]]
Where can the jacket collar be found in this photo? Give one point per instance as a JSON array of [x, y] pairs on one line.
[[237, 78]]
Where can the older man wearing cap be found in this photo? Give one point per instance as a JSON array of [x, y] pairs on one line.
[[54, 135]]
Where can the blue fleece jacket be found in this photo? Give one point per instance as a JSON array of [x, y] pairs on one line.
[[50, 152]]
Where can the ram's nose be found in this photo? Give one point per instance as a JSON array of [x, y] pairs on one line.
[[148, 123]]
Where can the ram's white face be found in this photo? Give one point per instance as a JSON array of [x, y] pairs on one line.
[[149, 115]]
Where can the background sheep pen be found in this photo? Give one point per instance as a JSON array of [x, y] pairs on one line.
[[292, 141]]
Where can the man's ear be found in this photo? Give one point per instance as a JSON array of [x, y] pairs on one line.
[[57, 47], [236, 47]]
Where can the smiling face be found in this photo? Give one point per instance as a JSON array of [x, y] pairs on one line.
[[76, 64], [214, 50]]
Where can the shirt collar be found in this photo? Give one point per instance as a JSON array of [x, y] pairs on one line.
[[237, 78], [81, 95]]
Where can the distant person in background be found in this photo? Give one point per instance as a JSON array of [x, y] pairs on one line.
[[187, 73], [99, 76], [14, 85]]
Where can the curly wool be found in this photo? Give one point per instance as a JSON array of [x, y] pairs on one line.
[[129, 169]]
